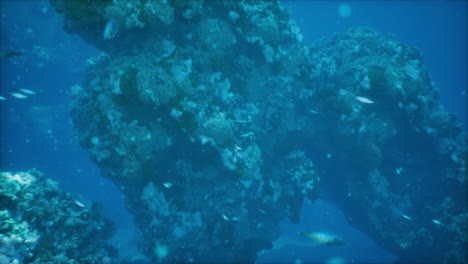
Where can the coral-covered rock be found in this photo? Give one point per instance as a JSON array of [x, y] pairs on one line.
[[180, 132], [40, 223], [211, 115]]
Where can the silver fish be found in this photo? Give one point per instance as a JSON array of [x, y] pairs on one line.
[[406, 217], [80, 204], [364, 100], [18, 95], [324, 238], [26, 91], [2, 98]]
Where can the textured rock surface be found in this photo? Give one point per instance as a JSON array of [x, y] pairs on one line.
[[208, 115], [174, 111]]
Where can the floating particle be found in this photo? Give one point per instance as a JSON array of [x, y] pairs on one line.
[[399, 171], [95, 140], [344, 10]]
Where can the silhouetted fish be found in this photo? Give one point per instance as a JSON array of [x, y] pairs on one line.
[[9, 54]]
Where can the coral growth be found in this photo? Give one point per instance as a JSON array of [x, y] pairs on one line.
[[40, 223], [209, 116]]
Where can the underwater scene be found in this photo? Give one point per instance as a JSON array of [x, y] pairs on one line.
[[233, 131]]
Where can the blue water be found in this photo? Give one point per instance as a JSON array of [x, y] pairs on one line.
[[37, 133]]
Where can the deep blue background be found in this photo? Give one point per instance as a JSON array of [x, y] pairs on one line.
[[36, 132]]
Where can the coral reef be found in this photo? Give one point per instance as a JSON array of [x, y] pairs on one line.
[[209, 115], [40, 223]]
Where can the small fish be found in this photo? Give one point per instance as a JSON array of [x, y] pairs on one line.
[[80, 204], [26, 91], [2, 98], [248, 134], [225, 217], [399, 171], [324, 238], [437, 222], [364, 100], [9, 54], [18, 95], [261, 211], [167, 185], [406, 217], [111, 30]]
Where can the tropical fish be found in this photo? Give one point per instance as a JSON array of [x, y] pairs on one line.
[[9, 54], [364, 100], [18, 95], [26, 91], [111, 30], [324, 238]]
